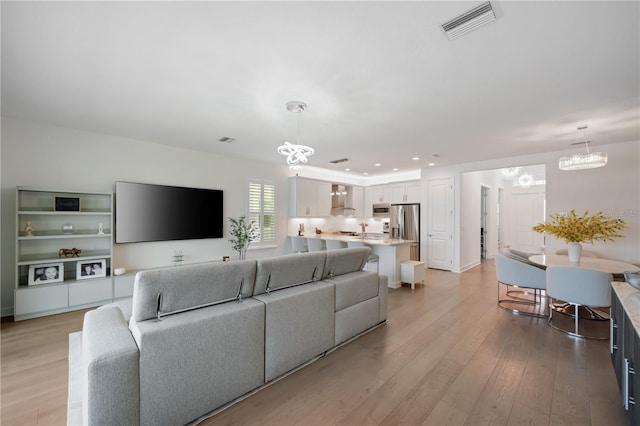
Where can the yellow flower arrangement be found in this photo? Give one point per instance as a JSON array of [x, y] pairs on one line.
[[582, 229]]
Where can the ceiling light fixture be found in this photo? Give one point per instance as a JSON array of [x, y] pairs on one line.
[[469, 21], [510, 172], [590, 160], [526, 180], [296, 153]]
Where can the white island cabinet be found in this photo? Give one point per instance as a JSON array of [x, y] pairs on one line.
[[62, 232]]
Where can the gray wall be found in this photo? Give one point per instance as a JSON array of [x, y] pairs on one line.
[[49, 157]]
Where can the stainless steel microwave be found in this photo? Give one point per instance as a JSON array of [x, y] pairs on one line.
[[381, 210]]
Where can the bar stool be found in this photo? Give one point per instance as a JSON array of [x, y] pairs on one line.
[[316, 244], [373, 258], [299, 245], [335, 244]]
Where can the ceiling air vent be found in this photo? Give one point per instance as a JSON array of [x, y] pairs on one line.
[[226, 139], [469, 21], [339, 160]]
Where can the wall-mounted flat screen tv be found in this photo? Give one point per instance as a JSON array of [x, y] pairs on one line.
[[146, 212]]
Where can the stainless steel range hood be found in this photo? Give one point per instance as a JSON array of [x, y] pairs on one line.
[[339, 201]]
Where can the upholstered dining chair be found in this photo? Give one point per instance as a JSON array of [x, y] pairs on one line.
[[373, 258], [520, 280], [316, 244], [299, 244], [336, 244], [579, 287]]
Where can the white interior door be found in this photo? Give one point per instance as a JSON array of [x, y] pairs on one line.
[[526, 212], [440, 224]]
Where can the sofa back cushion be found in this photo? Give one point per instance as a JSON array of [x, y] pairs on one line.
[[187, 287], [344, 261], [289, 270]]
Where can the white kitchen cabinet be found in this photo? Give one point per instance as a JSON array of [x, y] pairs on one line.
[[355, 200], [309, 198], [405, 192], [47, 222]]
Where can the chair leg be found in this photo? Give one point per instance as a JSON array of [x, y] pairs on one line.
[[577, 316]]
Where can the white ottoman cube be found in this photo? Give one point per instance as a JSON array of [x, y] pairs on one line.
[[412, 272]]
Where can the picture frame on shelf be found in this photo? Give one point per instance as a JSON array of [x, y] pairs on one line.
[[46, 273], [94, 268], [66, 204]]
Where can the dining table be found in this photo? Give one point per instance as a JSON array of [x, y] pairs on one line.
[[614, 267]]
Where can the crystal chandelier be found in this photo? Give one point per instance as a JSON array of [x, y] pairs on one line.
[[296, 153], [590, 160]]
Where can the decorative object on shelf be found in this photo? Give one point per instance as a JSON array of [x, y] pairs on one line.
[[73, 252], [243, 233], [590, 160], [28, 229], [94, 268], [100, 229], [177, 257], [581, 229], [296, 153], [120, 271], [67, 228], [363, 225], [46, 273], [632, 278], [67, 204]]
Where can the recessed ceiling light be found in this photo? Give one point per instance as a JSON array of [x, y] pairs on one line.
[[377, 164], [365, 173], [395, 169], [431, 164], [347, 169], [415, 158]]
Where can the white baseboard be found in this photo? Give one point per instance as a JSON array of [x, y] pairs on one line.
[[469, 266]]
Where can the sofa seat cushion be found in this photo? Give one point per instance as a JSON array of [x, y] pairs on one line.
[[197, 361], [299, 325], [190, 286], [288, 271], [355, 319], [354, 288]]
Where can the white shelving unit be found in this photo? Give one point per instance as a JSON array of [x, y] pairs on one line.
[[92, 213]]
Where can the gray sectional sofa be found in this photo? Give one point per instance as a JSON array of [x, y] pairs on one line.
[[201, 336]]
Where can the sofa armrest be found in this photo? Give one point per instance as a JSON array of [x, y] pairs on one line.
[[111, 390], [383, 288]]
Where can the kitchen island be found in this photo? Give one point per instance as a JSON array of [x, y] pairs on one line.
[[391, 252]]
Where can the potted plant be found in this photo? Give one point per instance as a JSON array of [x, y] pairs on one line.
[[574, 230], [243, 232]]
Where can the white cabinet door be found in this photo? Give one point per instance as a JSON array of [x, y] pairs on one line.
[[356, 197], [90, 292], [397, 193], [123, 286], [412, 192], [41, 299], [323, 199]]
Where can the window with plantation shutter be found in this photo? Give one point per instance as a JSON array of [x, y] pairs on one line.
[[262, 210]]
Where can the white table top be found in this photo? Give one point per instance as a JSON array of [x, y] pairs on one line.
[[595, 263]]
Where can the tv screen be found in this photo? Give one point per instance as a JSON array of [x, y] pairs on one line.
[[145, 212]]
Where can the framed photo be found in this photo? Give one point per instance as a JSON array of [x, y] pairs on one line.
[[46, 273], [67, 204], [87, 269]]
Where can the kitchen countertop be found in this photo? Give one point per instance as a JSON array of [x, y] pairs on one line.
[[381, 241], [630, 299]]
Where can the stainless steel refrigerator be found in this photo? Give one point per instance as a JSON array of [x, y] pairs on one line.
[[404, 222]]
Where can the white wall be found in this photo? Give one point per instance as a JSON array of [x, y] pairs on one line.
[[49, 157], [614, 189]]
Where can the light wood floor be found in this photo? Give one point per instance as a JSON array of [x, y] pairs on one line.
[[447, 356]]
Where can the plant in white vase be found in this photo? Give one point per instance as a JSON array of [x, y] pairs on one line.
[[574, 230], [243, 233]]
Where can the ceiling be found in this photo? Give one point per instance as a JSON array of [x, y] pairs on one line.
[[382, 82]]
